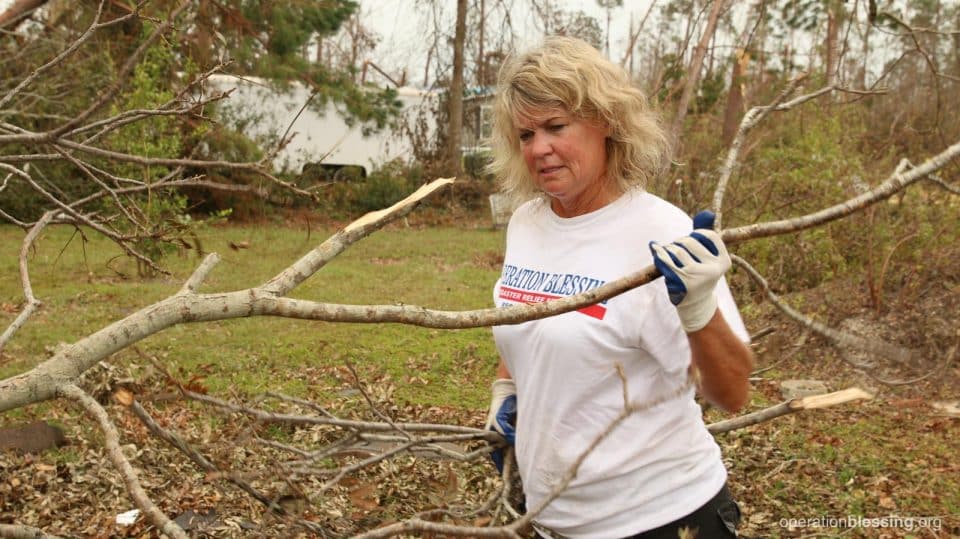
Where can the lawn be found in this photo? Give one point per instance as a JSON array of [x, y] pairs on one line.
[[85, 286], [892, 456]]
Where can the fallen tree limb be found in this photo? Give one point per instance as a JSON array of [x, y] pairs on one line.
[[791, 406], [115, 453], [18, 531], [838, 338]]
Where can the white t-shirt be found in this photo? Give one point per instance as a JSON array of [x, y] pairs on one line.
[[659, 464]]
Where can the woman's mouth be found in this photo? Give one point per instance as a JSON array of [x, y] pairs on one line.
[[550, 170]]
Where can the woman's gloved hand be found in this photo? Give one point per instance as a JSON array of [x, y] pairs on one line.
[[502, 416], [692, 266]]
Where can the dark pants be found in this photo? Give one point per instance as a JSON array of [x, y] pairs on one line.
[[716, 519]]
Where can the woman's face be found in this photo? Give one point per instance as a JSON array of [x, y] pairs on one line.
[[567, 159]]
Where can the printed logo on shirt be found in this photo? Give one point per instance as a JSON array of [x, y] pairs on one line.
[[523, 285]]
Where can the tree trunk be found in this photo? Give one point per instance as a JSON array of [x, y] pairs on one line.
[[833, 33], [19, 10], [455, 100], [734, 109], [481, 80], [693, 72]]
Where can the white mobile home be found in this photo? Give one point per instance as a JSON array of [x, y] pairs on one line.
[[265, 115]]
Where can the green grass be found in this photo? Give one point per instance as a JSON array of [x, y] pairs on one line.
[[84, 287], [869, 459]]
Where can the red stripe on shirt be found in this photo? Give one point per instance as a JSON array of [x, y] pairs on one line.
[[523, 296]]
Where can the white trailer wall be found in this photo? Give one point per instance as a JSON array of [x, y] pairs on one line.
[[317, 138]]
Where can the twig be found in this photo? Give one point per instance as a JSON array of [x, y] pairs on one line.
[[292, 419], [32, 303], [373, 407], [131, 62], [94, 26], [633, 408]]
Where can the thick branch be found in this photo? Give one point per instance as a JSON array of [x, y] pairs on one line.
[[37, 384], [17, 531]]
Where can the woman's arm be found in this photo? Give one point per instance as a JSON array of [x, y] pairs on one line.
[[724, 363], [502, 371]]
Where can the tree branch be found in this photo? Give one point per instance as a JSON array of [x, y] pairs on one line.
[[838, 338], [129, 474], [18, 531], [31, 302], [789, 407]]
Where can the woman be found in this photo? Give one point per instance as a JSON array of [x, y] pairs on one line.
[[575, 138]]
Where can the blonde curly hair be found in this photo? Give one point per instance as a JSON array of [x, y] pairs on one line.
[[569, 73]]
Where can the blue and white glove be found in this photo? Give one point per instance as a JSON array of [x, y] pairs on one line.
[[502, 416], [692, 266]]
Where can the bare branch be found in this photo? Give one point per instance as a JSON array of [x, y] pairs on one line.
[[895, 183], [789, 407], [200, 274], [129, 474], [33, 386], [750, 120], [836, 337], [17, 531], [32, 303], [300, 270]]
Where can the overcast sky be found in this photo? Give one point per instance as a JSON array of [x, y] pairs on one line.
[[404, 37], [405, 26]]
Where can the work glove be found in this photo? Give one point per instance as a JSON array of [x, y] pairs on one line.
[[692, 266], [502, 416]]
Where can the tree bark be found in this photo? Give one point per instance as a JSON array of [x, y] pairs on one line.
[[455, 99]]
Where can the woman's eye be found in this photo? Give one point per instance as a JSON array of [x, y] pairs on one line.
[[525, 136], [556, 127]]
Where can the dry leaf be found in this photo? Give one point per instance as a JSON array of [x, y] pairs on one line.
[[365, 497], [123, 396]]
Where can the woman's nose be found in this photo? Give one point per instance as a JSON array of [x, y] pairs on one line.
[[540, 145]]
